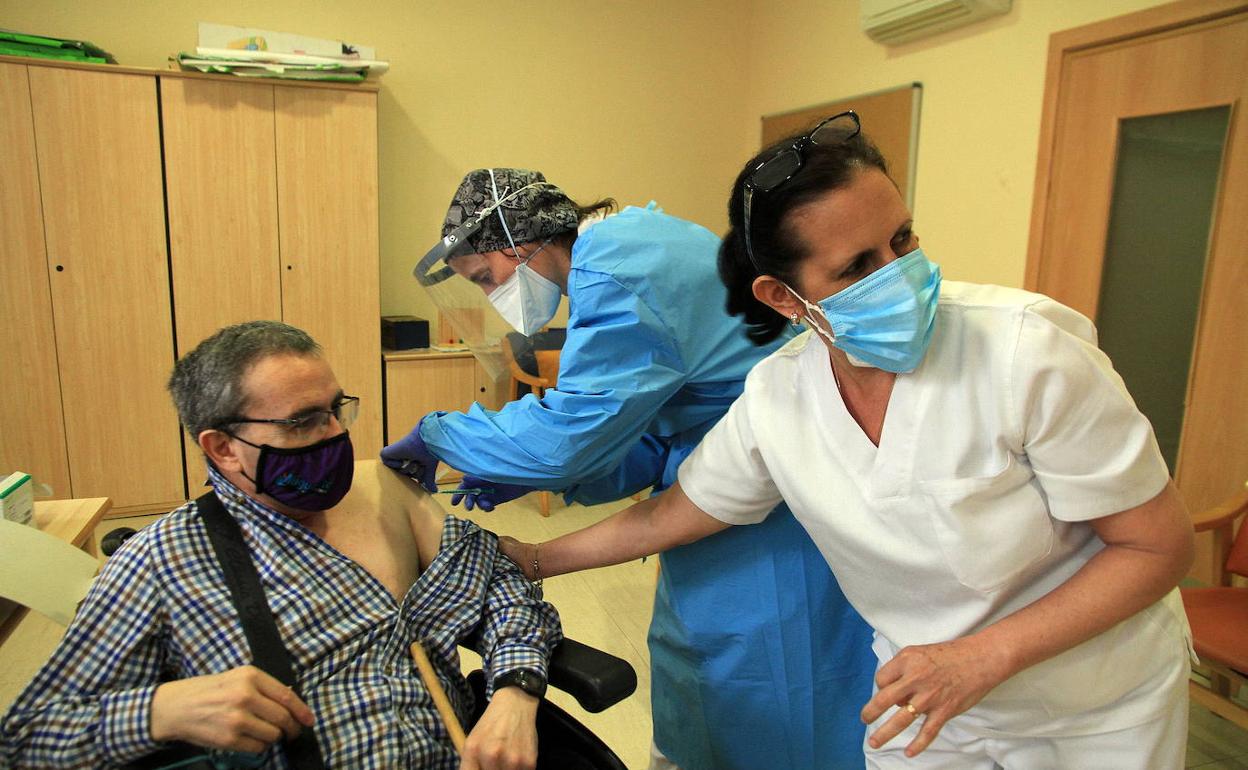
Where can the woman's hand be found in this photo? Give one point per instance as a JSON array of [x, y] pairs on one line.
[[1147, 551], [523, 554], [649, 527], [939, 681]]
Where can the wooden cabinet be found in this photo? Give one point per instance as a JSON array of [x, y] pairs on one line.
[[97, 147], [32, 429], [267, 196], [273, 214], [421, 381]]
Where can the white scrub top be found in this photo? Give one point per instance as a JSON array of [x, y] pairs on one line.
[[1011, 434]]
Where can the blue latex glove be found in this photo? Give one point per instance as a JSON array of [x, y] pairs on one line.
[[494, 493], [411, 457]]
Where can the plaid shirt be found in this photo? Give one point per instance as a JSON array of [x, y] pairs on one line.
[[160, 610]]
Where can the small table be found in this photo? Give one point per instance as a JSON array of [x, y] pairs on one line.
[[73, 521]]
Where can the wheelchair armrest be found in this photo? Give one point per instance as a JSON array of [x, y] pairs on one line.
[[595, 678], [113, 540]]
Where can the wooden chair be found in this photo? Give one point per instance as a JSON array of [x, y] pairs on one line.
[[547, 377], [547, 366], [537, 382], [1219, 614]]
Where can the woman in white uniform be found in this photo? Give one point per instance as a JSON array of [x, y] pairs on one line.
[[969, 464]]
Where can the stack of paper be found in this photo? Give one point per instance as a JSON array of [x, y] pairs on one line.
[[17, 497], [44, 47], [252, 52]]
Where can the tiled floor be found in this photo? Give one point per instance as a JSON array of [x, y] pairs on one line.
[[607, 608], [1214, 743]]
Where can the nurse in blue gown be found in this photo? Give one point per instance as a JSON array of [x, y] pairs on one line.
[[757, 660]]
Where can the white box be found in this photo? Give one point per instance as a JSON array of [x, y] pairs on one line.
[[17, 497]]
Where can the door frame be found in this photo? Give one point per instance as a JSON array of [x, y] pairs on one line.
[[1068, 42], [1065, 49]]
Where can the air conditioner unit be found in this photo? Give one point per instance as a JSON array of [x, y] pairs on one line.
[[900, 21]]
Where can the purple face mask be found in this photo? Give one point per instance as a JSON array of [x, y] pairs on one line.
[[310, 478]]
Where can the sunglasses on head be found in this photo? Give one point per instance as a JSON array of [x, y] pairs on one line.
[[780, 167]]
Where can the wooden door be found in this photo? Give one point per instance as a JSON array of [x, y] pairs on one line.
[[221, 189], [327, 203], [32, 432], [1177, 62], [98, 146]]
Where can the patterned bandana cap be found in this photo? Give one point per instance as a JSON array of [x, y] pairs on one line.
[[534, 214]]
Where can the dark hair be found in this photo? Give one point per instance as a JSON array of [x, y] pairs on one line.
[[597, 208], [778, 250], [207, 383]]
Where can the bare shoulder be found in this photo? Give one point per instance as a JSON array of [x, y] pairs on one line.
[[379, 488]]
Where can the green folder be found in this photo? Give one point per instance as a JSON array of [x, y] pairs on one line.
[[22, 44]]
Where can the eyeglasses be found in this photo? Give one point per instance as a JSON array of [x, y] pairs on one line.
[[780, 168], [345, 410]]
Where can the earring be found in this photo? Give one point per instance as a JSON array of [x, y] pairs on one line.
[[793, 319]]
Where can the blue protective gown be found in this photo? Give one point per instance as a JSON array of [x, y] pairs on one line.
[[757, 660]]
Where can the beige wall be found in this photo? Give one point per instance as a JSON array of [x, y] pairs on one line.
[[980, 119], [646, 99]]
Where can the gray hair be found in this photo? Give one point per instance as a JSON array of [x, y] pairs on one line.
[[207, 383]]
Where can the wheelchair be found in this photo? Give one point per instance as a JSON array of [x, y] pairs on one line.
[[596, 679]]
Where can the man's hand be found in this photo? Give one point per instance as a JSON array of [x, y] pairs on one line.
[[243, 709], [935, 683], [505, 738]]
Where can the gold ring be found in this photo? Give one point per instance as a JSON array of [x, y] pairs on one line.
[[910, 707]]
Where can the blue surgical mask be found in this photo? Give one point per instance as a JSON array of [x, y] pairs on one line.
[[886, 319]]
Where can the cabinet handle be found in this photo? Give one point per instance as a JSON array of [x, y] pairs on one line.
[[60, 268]]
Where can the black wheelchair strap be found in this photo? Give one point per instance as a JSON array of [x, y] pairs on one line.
[[267, 650]]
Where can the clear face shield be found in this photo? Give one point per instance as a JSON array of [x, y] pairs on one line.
[[461, 303]]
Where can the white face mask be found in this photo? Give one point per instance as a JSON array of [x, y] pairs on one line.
[[527, 300]]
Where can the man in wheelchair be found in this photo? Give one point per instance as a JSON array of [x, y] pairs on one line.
[[353, 574]]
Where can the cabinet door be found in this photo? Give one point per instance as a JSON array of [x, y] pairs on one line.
[[98, 147], [416, 387], [491, 393], [327, 203], [32, 434], [221, 185], [221, 188]]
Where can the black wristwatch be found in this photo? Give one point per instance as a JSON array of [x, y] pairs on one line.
[[530, 681]]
